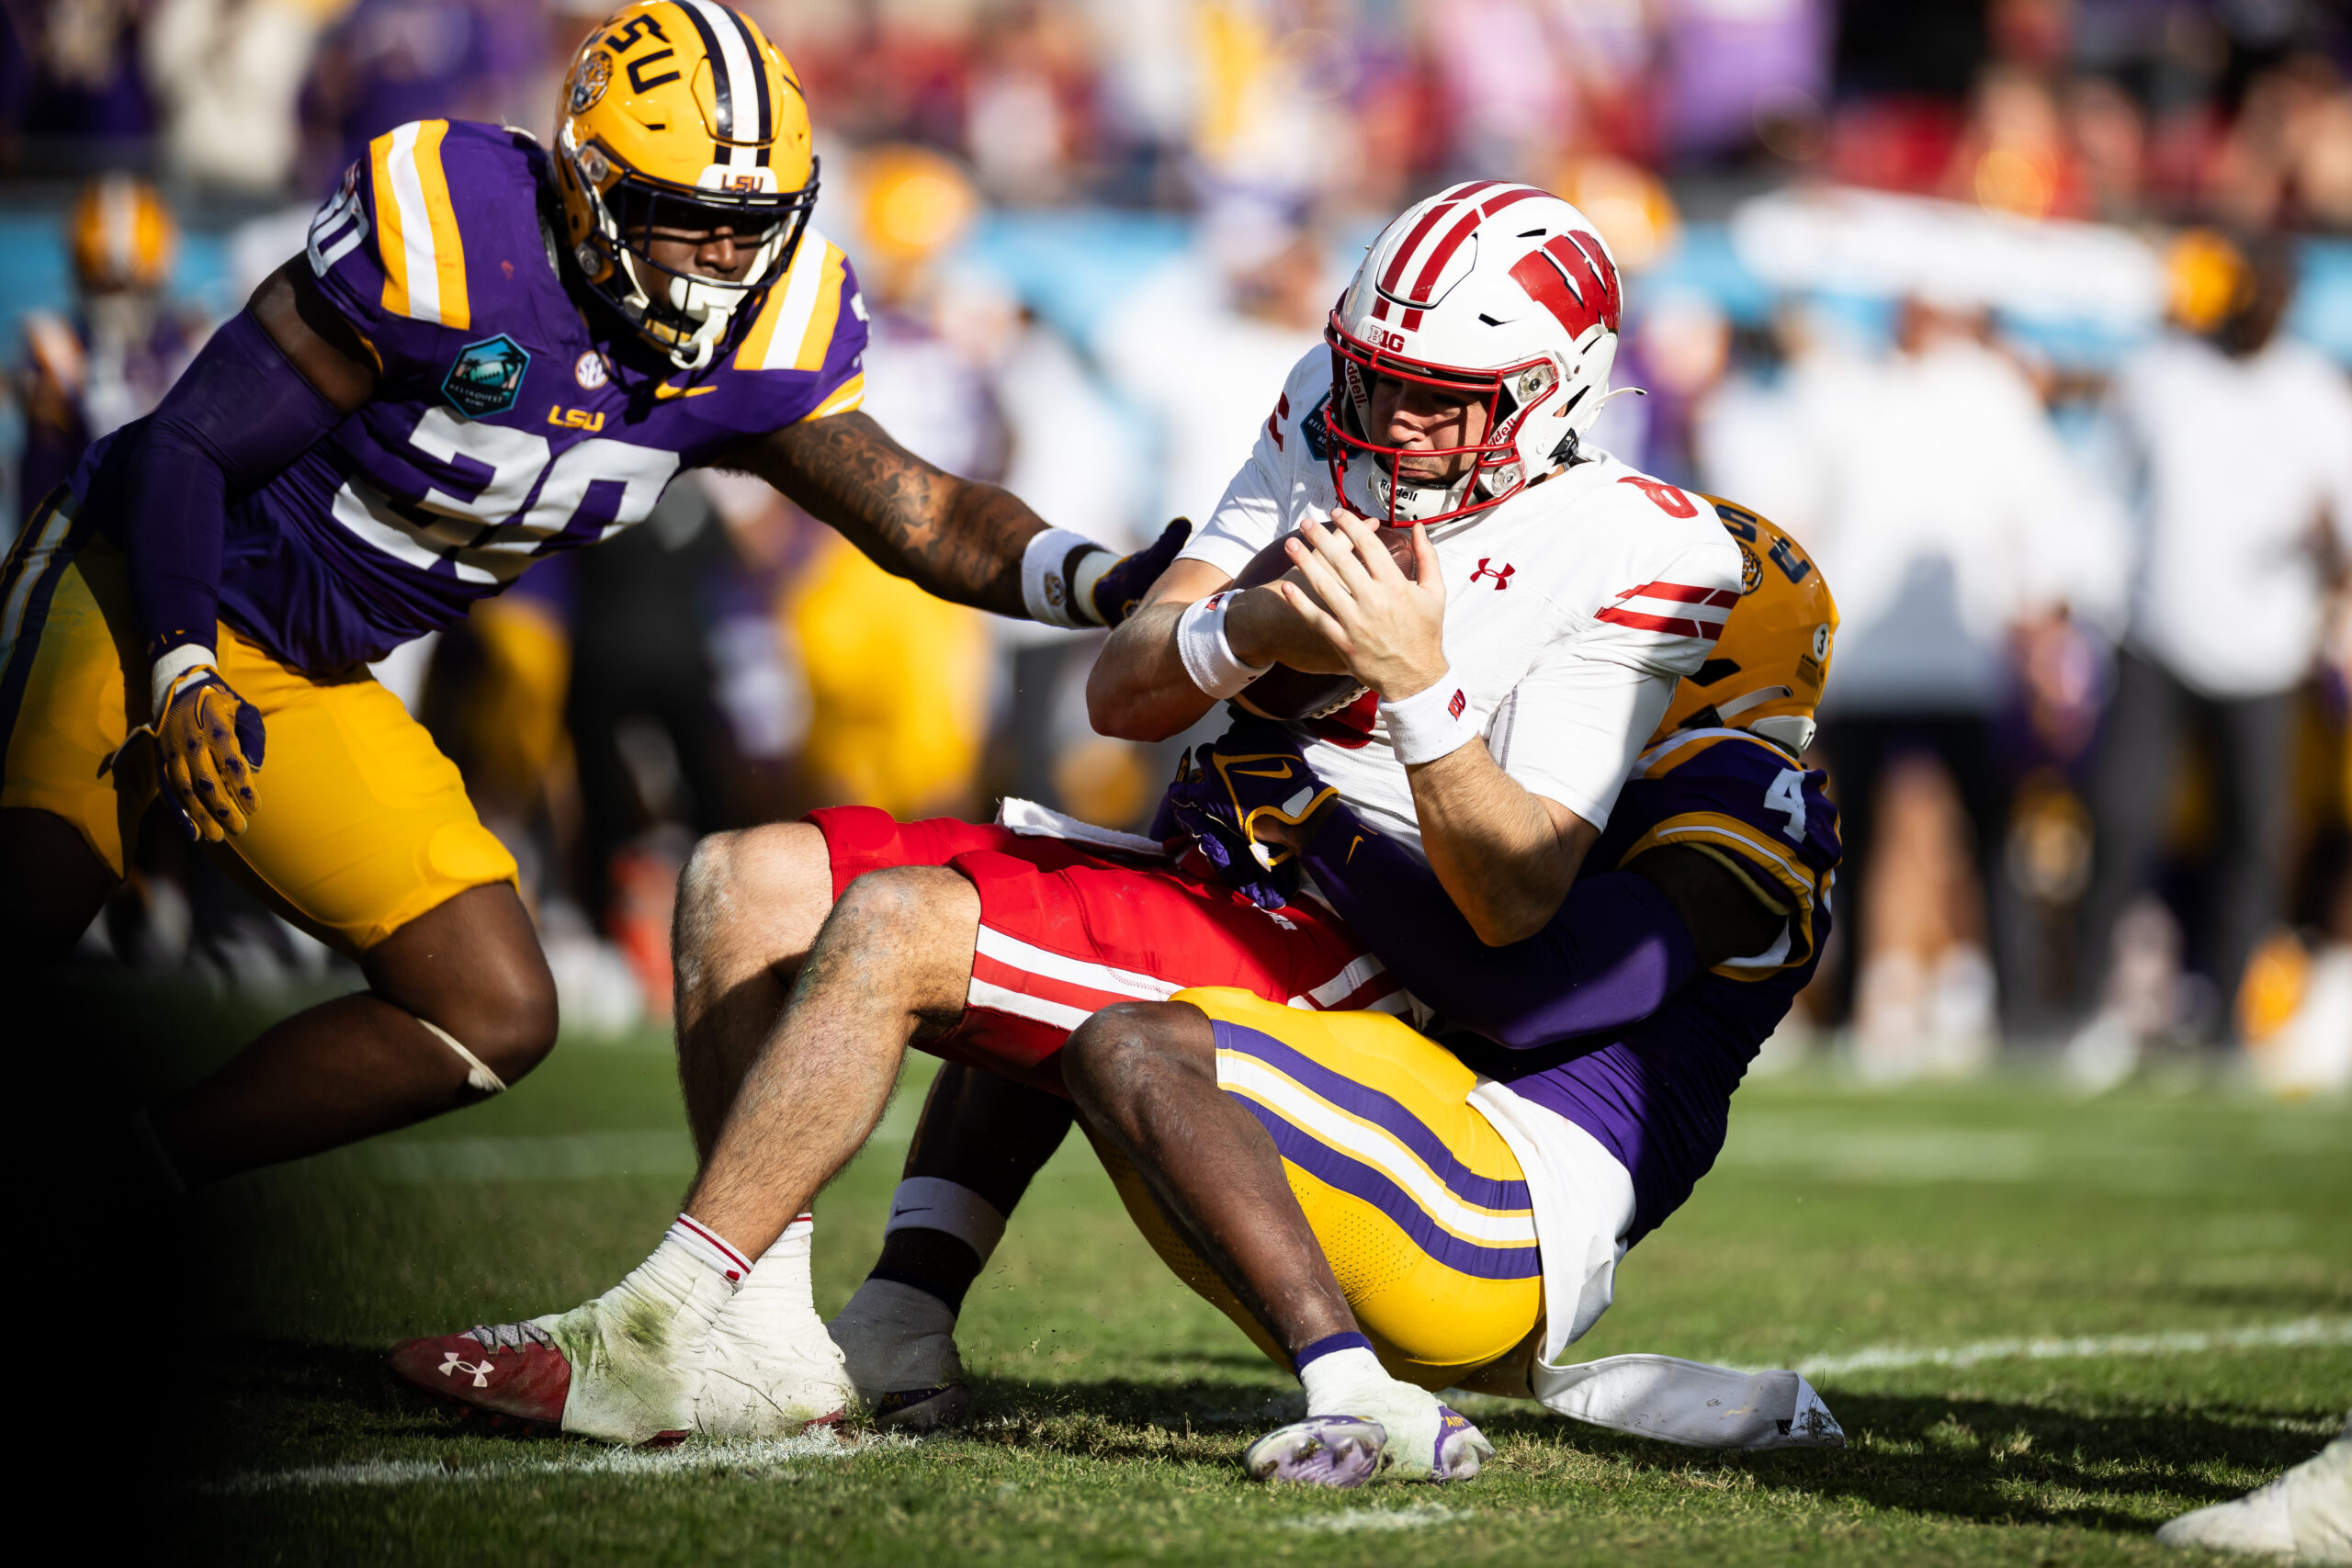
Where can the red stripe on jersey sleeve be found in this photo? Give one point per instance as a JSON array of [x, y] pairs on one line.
[[1683, 594], [1705, 630]]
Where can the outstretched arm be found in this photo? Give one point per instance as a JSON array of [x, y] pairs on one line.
[[970, 542], [956, 537]]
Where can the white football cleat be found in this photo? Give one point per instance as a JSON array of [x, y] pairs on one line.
[[2306, 1513], [757, 1383], [623, 1368], [898, 1345]]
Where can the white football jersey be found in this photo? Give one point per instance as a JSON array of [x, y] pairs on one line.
[[1572, 609]]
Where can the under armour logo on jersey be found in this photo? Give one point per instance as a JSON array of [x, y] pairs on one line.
[[1502, 578], [1274, 420], [457, 1363]]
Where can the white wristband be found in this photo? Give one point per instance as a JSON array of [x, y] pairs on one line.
[[170, 668], [1045, 589], [1434, 722], [1209, 657]]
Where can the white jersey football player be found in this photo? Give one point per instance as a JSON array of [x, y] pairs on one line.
[[1466, 360], [1500, 718]]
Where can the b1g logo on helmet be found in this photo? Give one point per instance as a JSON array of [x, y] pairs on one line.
[[487, 378]]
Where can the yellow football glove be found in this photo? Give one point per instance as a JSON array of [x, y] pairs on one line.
[[208, 743]]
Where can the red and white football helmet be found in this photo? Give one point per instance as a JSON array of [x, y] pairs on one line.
[[1502, 293]]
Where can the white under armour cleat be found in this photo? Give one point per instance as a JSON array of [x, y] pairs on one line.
[[898, 1345], [2305, 1514], [759, 1383], [625, 1368], [1396, 1433]]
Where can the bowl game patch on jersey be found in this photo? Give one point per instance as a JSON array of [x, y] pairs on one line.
[[486, 377]]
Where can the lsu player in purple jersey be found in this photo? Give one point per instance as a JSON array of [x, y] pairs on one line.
[[1393, 1211], [488, 352]]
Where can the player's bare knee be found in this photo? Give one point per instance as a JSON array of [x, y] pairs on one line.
[[1124, 1052], [502, 1014], [902, 903], [749, 898]]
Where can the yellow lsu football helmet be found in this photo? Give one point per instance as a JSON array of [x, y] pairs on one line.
[[122, 236], [1771, 663], [680, 116]]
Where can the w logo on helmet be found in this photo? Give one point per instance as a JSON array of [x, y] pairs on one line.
[[1570, 276]]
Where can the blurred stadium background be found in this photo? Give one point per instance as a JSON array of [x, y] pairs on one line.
[[2030, 317]]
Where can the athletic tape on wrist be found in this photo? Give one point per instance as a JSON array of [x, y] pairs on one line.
[[1434, 722], [931, 1203], [1046, 589], [1208, 656], [1085, 572], [174, 664]]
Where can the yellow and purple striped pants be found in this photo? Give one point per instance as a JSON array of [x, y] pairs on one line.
[[1420, 1207]]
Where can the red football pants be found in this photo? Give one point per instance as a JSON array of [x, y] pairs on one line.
[[1066, 929]]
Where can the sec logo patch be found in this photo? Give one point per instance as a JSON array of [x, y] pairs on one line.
[[487, 377], [590, 371]]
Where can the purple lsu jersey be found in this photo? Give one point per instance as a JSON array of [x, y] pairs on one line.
[[1657, 1096], [513, 417]]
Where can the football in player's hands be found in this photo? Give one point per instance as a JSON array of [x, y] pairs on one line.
[[1285, 692]]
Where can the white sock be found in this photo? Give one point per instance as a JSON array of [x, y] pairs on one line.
[[778, 1306], [694, 1272], [1339, 1373], [708, 1247]]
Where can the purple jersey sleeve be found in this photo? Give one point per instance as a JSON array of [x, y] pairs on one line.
[[424, 240], [1613, 955], [1750, 807]]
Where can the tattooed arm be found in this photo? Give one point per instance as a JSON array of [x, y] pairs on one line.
[[956, 537]]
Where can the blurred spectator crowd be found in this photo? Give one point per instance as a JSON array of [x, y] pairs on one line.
[[2030, 317]]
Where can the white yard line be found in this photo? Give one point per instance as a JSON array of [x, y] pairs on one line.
[[1885, 1357], [573, 1462], [582, 1461], [1413, 1516]]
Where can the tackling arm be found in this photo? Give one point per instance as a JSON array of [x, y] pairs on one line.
[[956, 537], [966, 541], [1620, 946]]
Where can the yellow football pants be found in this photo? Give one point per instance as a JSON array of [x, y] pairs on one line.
[[1420, 1207], [361, 825]]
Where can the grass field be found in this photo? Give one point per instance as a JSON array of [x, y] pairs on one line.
[[2045, 1326]]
